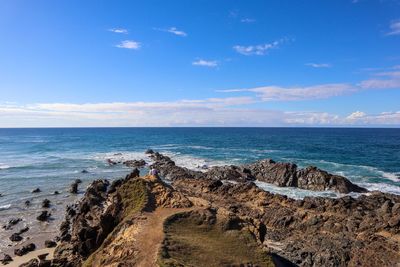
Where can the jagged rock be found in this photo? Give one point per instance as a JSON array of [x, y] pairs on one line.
[[16, 237], [43, 256], [135, 163], [233, 173], [45, 203], [25, 249], [36, 190], [6, 259], [50, 244], [44, 216], [11, 223]]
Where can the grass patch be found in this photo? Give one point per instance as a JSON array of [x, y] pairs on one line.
[[189, 242]]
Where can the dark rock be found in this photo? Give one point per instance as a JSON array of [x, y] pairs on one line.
[[111, 162], [45, 203], [84, 171], [16, 237], [11, 223], [74, 188], [23, 230], [45, 263], [149, 151], [78, 181], [25, 249], [56, 193], [27, 203], [50, 244], [135, 163], [6, 259], [44, 216], [31, 263], [43, 256], [36, 190]]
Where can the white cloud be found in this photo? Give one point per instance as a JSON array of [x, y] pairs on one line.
[[259, 50], [205, 63], [247, 20], [128, 44], [356, 115], [278, 93], [173, 30], [394, 28], [119, 30], [319, 65]]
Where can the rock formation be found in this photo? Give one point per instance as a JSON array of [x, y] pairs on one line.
[[142, 221]]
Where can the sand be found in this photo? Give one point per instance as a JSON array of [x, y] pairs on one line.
[[19, 260]]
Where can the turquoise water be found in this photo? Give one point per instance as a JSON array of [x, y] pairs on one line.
[[52, 158]]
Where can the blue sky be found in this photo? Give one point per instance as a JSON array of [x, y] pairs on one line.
[[199, 63]]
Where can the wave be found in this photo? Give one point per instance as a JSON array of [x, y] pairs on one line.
[[4, 166], [5, 207]]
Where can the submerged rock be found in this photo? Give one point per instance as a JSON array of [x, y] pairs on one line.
[[74, 188], [11, 223], [36, 190], [135, 163], [45, 203], [16, 237]]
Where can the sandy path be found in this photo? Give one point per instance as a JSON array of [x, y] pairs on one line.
[[151, 235]]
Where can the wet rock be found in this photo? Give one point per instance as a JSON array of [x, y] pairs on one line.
[[135, 163], [6, 259], [25, 249], [45, 203], [11, 223], [16, 237], [111, 162], [23, 230], [44, 216], [149, 151], [36, 190], [84, 171], [78, 181], [27, 203], [50, 244], [56, 193], [74, 188]]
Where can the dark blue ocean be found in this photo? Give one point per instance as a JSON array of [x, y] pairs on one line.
[[52, 158]]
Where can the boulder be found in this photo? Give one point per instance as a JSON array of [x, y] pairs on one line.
[[36, 190], [45, 203], [16, 237], [135, 163], [25, 249], [50, 244], [44, 216], [6, 259], [11, 223], [74, 188]]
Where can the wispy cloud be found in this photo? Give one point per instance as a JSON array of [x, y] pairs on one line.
[[128, 44], [118, 30], [172, 30], [247, 20], [207, 112], [391, 80], [278, 93], [319, 65], [394, 28], [259, 50], [205, 63]]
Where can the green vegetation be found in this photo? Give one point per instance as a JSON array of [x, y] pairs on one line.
[[189, 242]]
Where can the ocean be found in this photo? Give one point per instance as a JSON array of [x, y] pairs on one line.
[[52, 159]]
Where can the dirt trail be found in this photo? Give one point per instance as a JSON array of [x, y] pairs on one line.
[[151, 235]]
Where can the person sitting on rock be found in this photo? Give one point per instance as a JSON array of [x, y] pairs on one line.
[[153, 172]]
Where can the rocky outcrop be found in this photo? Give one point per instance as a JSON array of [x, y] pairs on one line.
[[314, 231], [311, 178], [104, 212], [135, 163], [113, 225], [169, 170]]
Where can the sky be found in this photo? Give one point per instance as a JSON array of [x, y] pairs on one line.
[[200, 63]]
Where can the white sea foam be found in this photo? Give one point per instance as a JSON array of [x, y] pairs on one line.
[[4, 166], [5, 207]]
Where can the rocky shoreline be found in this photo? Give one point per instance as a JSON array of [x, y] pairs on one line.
[[139, 221]]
